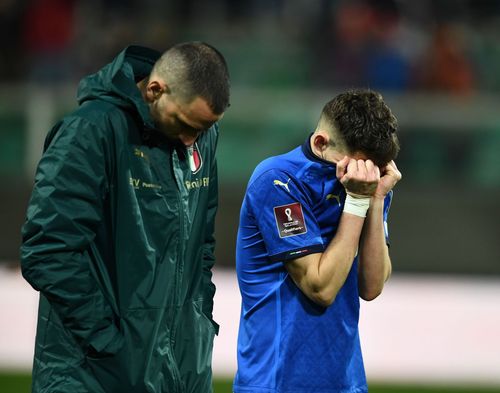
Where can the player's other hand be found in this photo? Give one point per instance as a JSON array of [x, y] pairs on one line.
[[359, 177], [390, 176]]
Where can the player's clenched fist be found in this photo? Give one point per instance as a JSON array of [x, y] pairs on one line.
[[359, 177]]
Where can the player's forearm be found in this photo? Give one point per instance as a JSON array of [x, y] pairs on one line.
[[336, 261], [374, 261]]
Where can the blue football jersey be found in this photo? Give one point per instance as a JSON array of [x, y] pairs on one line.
[[286, 342]]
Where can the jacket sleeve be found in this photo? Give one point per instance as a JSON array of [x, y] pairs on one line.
[[209, 245], [65, 209]]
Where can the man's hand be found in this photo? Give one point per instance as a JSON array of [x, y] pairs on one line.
[[359, 177], [390, 176]]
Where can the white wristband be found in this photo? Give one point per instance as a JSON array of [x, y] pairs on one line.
[[356, 206]]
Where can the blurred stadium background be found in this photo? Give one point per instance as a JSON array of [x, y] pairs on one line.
[[437, 63]]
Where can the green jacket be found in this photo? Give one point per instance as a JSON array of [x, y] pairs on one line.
[[119, 241]]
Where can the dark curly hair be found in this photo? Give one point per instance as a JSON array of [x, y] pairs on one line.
[[365, 123]]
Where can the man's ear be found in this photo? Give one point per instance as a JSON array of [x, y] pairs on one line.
[[154, 90], [321, 140]]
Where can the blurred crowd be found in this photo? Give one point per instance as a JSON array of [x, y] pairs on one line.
[[396, 45]]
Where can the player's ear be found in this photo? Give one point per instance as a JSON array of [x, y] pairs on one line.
[[154, 90], [321, 140]]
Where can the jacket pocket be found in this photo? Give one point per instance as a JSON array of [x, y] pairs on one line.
[[109, 372], [193, 348], [145, 363], [59, 363]]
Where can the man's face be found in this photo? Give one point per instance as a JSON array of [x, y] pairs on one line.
[[182, 121]]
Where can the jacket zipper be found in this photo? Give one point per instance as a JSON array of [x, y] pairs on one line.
[[173, 329]]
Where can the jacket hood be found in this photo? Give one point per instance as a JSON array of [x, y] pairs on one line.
[[116, 82]]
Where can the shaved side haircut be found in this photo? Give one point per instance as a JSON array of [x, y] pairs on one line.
[[195, 69]]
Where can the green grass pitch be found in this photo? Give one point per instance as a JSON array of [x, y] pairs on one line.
[[20, 383]]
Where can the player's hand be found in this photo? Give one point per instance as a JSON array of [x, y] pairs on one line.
[[359, 177], [390, 176]]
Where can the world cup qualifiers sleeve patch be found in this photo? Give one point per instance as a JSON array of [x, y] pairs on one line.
[[290, 220]]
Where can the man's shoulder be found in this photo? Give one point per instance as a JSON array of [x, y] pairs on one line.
[[92, 121], [267, 171], [292, 164], [100, 111], [278, 173], [105, 119], [283, 162]]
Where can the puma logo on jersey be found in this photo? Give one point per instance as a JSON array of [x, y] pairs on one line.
[[280, 183], [333, 196]]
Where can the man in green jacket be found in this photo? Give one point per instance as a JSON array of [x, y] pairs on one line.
[[118, 237]]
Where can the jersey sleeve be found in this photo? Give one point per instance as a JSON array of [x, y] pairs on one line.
[[284, 215]]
